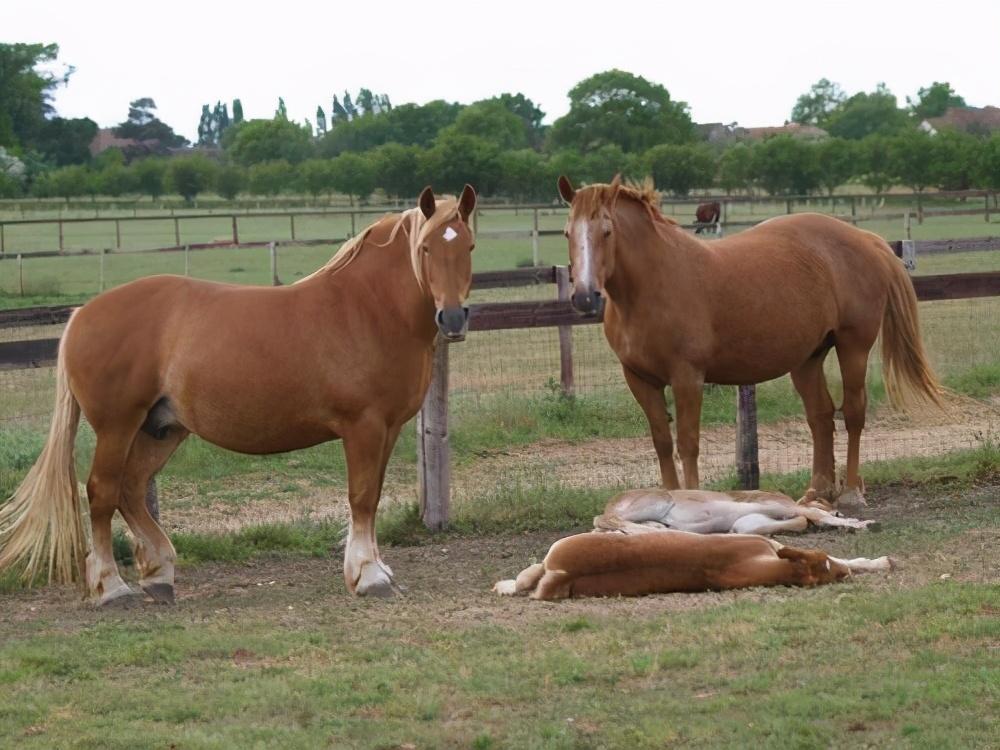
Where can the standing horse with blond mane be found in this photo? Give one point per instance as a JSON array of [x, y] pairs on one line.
[[343, 353], [768, 301]]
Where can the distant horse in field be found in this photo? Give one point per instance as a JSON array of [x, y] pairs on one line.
[[707, 213], [768, 301], [343, 353], [676, 561], [707, 512]]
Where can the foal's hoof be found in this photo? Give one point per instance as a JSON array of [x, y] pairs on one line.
[[161, 593]]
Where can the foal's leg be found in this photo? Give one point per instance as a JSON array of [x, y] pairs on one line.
[[758, 523], [367, 445], [154, 554], [104, 491], [810, 382], [687, 398], [650, 398], [853, 369]]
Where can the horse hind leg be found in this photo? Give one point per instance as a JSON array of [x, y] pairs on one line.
[[154, 553], [104, 492], [853, 369], [758, 523], [810, 382]]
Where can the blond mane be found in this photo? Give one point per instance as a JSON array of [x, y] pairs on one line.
[[589, 200], [411, 222]]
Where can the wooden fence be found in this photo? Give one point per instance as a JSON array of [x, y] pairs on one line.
[[432, 422]]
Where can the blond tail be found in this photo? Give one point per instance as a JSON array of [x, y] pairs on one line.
[[909, 379], [41, 526]]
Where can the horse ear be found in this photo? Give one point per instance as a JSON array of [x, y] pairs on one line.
[[426, 202], [566, 191], [467, 202], [617, 181]]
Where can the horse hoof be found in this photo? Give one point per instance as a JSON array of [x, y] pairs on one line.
[[873, 526], [375, 581], [161, 593], [852, 501], [121, 598]]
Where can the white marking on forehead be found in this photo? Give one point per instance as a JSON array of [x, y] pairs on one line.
[[450, 234], [585, 274]]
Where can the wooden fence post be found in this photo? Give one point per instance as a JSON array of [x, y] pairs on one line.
[[187, 263], [177, 231], [60, 236], [236, 233], [118, 234], [272, 248], [565, 336], [20, 273], [747, 459], [291, 218], [909, 254], [433, 450], [100, 274], [534, 240], [854, 211], [986, 206], [353, 225], [3, 242], [788, 205]]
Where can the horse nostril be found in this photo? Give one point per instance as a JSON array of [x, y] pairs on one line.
[[439, 318]]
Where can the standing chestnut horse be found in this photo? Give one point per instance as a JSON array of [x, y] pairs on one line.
[[343, 353], [768, 301]]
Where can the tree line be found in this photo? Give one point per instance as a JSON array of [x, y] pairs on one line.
[[617, 123]]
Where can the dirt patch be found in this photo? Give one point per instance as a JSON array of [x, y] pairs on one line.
[[450, 580]]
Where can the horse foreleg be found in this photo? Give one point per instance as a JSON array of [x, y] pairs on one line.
[[810, 382], [651, 400], [853, 369], [367, 446], [687, 398]]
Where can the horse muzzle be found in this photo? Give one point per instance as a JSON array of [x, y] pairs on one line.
[[453, 322], [588, 303]]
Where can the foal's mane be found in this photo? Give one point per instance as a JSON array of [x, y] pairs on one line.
[[411, 222], [589, 200]]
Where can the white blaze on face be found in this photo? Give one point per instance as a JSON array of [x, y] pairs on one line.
[[585, 274], [450, 234]]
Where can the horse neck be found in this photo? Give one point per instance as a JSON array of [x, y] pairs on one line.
[[385, 275], [648, 262]]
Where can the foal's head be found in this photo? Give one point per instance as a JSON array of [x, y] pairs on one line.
[[442, 258], [591, 235]]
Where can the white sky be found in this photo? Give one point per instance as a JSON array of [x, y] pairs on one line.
[[744, 61]]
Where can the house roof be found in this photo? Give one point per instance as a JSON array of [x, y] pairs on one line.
[[794, 129], [966, 119]]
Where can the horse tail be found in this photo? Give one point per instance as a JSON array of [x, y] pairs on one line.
[[909, 379], [41, 524]]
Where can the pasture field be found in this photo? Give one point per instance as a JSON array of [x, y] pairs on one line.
[[269, 650]]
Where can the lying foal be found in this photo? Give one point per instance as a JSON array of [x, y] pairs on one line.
[[705, 512], [674, 561]]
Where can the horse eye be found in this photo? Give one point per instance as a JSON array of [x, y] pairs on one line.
[[472, 247], [607, 233], [566, 233], [425, 249]]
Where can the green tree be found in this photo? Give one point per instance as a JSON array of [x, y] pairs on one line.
[[65, 182], [813, 107], [205, 126], [26, 91], [866, 114], [9, 187], [353, 175], [531, 115], [229, 181], [956, 160], [316, 176], [494, 122], [934, 100], [270, 177], [988, 174], [150, 176], [142, 124], [397, 169], [602, 164], [837, 161], [736, 168], [876, 163], [237, 111], [258, 141], [457, 159], [524, 176], [622, 109], [191, 175], [567, 162], [912, 159], [786, 165], [116, 180], [320, 122], [64, 141], [680, 168]]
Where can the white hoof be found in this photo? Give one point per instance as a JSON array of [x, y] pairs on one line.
[[505, 588], [376, 580], [120, 596]]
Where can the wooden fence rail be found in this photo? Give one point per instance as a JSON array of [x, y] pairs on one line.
[[432, 423]]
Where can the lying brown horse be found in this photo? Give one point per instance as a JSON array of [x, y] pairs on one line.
[[708, 512], [675, 561], [707, 213], [343, 353], [768, 301]]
